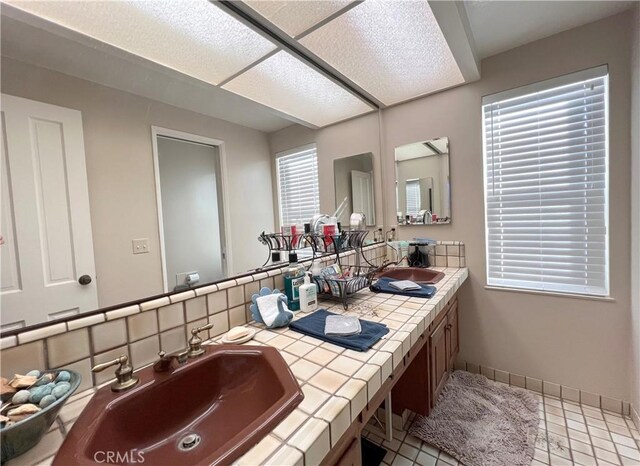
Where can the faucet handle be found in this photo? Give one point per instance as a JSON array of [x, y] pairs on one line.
[[119, 361], [124, 373], [195, 342], [196, 330]]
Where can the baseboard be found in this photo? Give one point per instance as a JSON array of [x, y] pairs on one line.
[[553, 389]]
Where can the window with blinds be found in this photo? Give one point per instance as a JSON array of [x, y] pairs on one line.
[[298, 190], [413, 197], [546, 195]]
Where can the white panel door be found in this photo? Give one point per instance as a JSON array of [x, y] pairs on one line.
[[362, 195], [45, 215]]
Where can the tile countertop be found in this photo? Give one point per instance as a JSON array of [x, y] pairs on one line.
[[337, 382]]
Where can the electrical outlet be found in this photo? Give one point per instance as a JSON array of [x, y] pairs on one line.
[[140, 246]]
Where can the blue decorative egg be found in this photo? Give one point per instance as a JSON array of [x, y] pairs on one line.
[[33, 373], [20, 397], [60, 389], [63, 376], [47, 400], [37, 393]]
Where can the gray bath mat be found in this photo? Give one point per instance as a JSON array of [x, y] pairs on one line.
[[481, 423]]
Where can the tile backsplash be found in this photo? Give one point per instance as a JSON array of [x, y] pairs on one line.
[[140, 331], [441, 254]]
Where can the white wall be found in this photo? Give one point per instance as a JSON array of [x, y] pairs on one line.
[[576, 342], [635, 213], [117, 130]]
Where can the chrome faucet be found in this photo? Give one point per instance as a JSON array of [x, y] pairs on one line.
[[195, 342], [166, 362]]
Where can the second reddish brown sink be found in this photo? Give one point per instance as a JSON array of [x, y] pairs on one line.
[[223, 402], [415, 274]]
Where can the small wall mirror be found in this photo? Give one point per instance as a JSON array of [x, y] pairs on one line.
[[353, 177], [423, 185]]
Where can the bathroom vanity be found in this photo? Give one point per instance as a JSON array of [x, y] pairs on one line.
[[342, 388], [414, 385]]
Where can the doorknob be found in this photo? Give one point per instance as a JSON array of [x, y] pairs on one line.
[[84, 280]]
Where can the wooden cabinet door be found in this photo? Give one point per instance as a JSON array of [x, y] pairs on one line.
[[453, 337], [439, 360], [352, 456], [412, 391]]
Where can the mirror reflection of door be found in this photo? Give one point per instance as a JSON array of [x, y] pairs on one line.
[[353, 180], [192, 237], [48, 268], [362, 193]]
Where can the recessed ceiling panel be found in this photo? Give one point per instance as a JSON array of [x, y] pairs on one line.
[[292, 87], [394, 50], [190, 36], [295, 16]]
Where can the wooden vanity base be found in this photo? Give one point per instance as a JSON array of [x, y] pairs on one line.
[[415, 384]]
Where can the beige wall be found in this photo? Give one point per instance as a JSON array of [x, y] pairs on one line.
[[353, 137], [576, 342], [117, 134], [635, 213]]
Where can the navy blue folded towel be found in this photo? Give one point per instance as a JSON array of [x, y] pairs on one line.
[[382, 285], [313, 325]]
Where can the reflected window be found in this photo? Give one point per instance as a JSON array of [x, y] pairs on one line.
[[413, 197], [298, 189]]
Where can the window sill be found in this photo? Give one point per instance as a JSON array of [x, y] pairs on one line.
[[607, 299]]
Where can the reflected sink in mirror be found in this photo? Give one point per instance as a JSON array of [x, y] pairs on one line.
[[211, 410], [415, 274]]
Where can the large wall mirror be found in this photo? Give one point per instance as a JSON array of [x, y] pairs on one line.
[[353, 179], [423, 183], [123, 179]]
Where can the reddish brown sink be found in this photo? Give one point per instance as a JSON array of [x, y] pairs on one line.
[[231, 397], [414, 274]]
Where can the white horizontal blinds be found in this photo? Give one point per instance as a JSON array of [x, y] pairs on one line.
[[298, 185], [546, 185], [413, 197]]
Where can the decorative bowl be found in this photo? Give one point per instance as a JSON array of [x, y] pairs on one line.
[[24, 435]]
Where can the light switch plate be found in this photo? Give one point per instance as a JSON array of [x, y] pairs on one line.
[[140, 246]]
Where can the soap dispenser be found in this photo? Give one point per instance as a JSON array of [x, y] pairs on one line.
[[293, 279], [308, 295]]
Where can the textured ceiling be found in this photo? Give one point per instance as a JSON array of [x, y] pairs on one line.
[[290, 86], [394, 50], [295, 17], [391, 51], [99, 64], [190, 36]]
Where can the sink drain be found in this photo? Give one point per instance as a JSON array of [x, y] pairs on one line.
[[189, 442]]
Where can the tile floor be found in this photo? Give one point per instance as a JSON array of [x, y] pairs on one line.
[[569, 433]]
